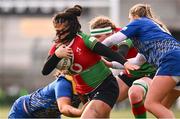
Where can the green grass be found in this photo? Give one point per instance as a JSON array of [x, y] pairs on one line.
[[123, 114], [4, 112]]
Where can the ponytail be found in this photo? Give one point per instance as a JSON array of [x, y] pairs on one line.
[[144, 10]]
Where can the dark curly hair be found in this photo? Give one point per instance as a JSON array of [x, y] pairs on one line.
[[71, 16]]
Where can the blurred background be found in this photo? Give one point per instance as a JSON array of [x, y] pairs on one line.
[[26, 34]]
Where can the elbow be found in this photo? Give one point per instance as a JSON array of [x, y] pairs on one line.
[[45, 73]]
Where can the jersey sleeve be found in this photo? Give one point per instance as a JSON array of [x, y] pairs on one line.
[[52, 50], [63, 88], [131, 29], [89, 41]]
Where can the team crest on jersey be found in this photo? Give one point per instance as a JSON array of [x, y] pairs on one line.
[[78, 50]]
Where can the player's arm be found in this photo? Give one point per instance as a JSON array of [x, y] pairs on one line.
[[64, 105], [105, 51], [123, 49], [102, 50], [63, 92], [113, 64], [106, 62], [61, 52], [138, 60], [116, 38], [50, 64], [127, 32]]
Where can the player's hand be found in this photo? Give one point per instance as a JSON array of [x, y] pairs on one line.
[[60, 73], [107, 63], [130, 66], [64, 52]]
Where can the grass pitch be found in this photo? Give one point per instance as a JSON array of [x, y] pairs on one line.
[[119, 114]]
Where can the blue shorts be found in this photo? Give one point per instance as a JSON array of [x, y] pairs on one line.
[[17, 110], [170, 64]]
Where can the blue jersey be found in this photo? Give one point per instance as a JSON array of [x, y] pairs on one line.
[[42, 103], [150, 39]]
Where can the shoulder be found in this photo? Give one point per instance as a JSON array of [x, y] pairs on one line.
[[88, 40], [83, 36]]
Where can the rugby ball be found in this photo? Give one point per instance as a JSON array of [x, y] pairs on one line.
[[64, 64]]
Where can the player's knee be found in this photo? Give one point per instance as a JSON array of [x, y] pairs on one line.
[[135, 94]]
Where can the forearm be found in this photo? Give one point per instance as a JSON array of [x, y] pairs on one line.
[[113, 64], [107, 52], [70, 111], [107, 63], [114, 39], [50, 64], [138, 60], [116, 65]]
